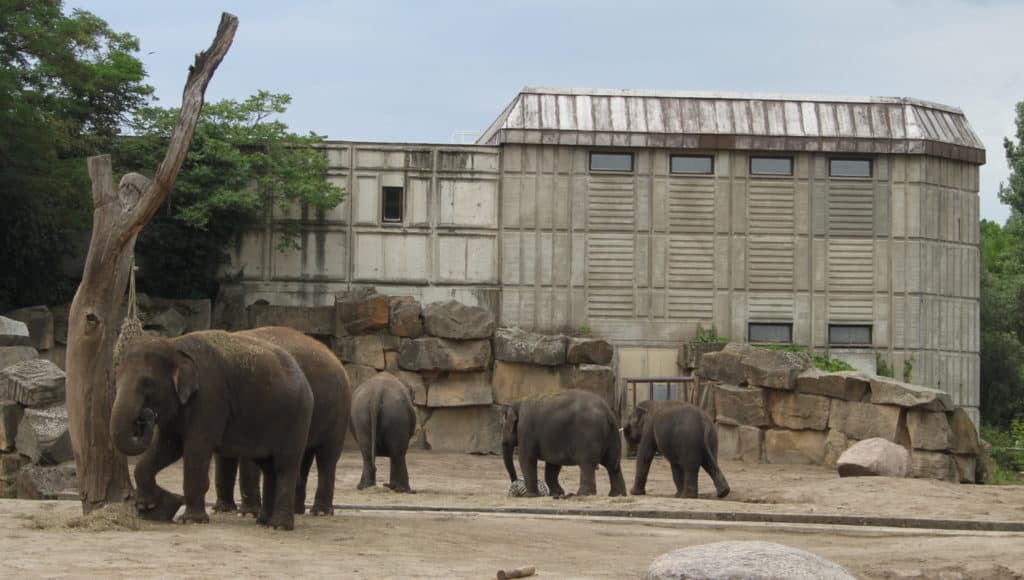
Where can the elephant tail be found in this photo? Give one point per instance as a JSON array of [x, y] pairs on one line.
[[711, 453], [375, 407]]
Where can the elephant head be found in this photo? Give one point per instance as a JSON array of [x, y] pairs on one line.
[[154, 379], [509, 436], [634, 429]]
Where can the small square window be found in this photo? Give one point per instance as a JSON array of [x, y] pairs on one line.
[[694, 164], [771, 166], [392, 205], [849, 167], [849, 334], [611, 162], [770, 332]]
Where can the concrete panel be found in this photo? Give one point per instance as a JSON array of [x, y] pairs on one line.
[[739, 206], [248, 256], [562, 203], [659, 205], [511, 192], [579, 259], [528, 267], [561, 257], [801, 207], [738, 274], [545, 253], [510, 258], [394, 257], [545, 200], [469, 202], [899, 210], [340, 212], [528, 202], [466, 259], [367, 199], [578, 188]]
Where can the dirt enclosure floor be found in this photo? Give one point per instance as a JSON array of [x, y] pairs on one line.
[[457, 525]]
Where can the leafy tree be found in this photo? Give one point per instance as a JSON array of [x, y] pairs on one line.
[[242, 159], [67, 83]]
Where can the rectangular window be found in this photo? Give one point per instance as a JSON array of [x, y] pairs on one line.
[[392, 205], [771, 166], [699, 164], [611, 162], [849, 334], [849, 167], [770, 332]]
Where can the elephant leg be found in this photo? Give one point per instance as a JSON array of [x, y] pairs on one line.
[[690, 473], [615, 479], [644, 457], [225, 470], [286, 476], [528, 464], [721, 485], [152, 501], [300, 485], [326, 465], [679, 478], [197, 481], [551, 472], [369, 476], [249, 486], [588, 479], [269, 491], [399, 479]]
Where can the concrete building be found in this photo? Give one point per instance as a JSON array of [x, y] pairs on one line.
[[843, 224]]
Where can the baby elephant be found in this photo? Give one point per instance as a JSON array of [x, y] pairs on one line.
[[383, 420], [685, 436]]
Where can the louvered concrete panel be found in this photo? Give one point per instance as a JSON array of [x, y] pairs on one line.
[[770, 206], [691, 205], [851, 208], [691, 305], [691, 262], [610, 203], [850, 265], [769, 306]]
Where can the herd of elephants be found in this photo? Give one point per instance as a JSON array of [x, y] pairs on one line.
[[269, 401]]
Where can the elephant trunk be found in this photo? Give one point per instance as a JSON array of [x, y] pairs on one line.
[[510, 466], [131, 425]]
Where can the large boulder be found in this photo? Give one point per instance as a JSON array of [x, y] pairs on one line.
[[597, 379], [589, 351], [365, 349], [516, 345], [875, 456], [751, 560], [47, 482], [454, 319], [690, 353], [845, 385], [317, 320], [406, 317], [11, 414], [229, 308], [836, 443], [886, 391], [966, 467], [460, 390], [430, 353], [39, 321], [933, 465], [516, 381], [33, 383], [360, 311], [965, 434], [865, 421], [725, 365], [741, 405], [798, 411], [794, 447], [417, 388], [14, 333], [468, 429], [43, 435], [773, 369], [929, 430], [11, 355], [741, 443]]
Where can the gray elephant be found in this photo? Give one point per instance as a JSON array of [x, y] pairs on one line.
[[332, 401], [566, 428], [685, 435], [211, 392], [383, 420]]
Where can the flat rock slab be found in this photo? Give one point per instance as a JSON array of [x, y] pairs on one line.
[[597, 379], [845, 385], [39, 482], [794, 447], [453, 319], [12, 355], [933, 465], [14, 333], [885, 391], [724, 366], [366, 349], [43, 435], [589, 351], [864, 420], [929, 430], [773, 369], [430, 353], [741, 406], [33, 383], [744, 560], [798, 411], [466, 429], [359, 311], [39, 321], [875, 456], [516, 345], [460, 390], [515, 381], [406, 317]]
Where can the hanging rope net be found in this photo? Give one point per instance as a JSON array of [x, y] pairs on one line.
[[132, 325]]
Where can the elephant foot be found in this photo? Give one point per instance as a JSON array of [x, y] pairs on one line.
[[282, 522], [723, 492], [565, 496], [685, 495], [160, 507], [249, 509], [319, 510], [638, 491], [617, 493], [195, 517], [399, 487], [300, 508], [223, 507]]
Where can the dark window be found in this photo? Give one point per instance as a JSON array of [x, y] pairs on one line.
[[770, 332], [849, 167], [611, 162], [392, 212], [703, 164], [849, 334], [771, 166]]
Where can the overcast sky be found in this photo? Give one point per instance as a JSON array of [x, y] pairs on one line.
[[420, 71]]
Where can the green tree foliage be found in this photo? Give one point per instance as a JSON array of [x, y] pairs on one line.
[[242, 159], [67, 83]]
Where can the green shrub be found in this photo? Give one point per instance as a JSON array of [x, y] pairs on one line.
[[1005, 444], [882, 366], [706, 336]]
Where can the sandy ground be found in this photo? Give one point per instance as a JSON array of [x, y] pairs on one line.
[[401, 544]]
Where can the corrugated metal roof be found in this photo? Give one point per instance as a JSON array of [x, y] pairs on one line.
[[638, 118]]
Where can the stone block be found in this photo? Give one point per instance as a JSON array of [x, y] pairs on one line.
[[317, 320], [11, 355], [875, 456], [360, 311], [14, 333], [358, 374], [836, 443], [751, 444], [929, 430], [43, 435], [57, 355], [391, 362], [886, 391], [516, 381], [460, 390], [228, 311], [589, 351], [406, 317], [741, 406], [845, 385], [430, 353], [728, 441], [364, 349], [773, 369], [39, 482], [173, 317], [419, 436], [39, 321], [965, 434], [33, 383], [11, 414], [597, 379], [690, 353], [453, 319], [390, 342], [417, 388], [466, 429], [794, 447], [864, 420], [933, 465], [60, 323], [966, 467], [516, 345], [797, 411], [724, 366]]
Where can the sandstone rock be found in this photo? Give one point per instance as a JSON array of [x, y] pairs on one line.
[[419, 436], [360, 311], [515, 345], [357, 374], [929, 430], [43, 435], [166, 317], [589, 351], [60, 322], [14, 333], [985, 468], [751, 444], [864, 420], [836, 443], [516, 381], [965, 434], [417, 389], [57, 355], [596, 379], [459, 390], [797, 411], [690, 353], [741, 406], [794, 447], [845, 385], [406, 318], [728, 441], [11, 355], [11, 414], [466, 429], [390, 342], [33, 383], [886, 391], [430, 353], [724, 366], [39, 482], [317, 320], [966, 467], [875, 456], [391, 362], [747, 560], [364, 349], [229, 308], [454, 319], [774, 369], [39, 321], [933, 465]]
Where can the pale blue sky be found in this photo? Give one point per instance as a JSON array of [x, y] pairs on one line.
[[419, 71]]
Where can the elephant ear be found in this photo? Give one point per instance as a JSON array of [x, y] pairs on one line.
[[186, 377]]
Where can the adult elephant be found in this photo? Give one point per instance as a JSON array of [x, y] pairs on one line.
[[685, 435], [383, 420], [567, 428], [211, 392], [332, 401]]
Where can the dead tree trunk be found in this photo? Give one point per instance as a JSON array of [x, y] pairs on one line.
[[95, 317]]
